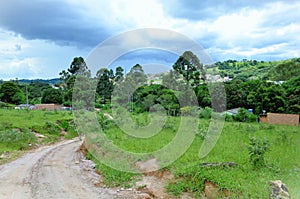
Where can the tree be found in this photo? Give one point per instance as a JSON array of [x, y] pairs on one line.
[[188, 65], [36, 90], [52, 95], [170, 79], [19, 98], [203, 95], [11, 93], [286, 70], [78, 69], [138, 75], [236, 94], [119, 73], [292, 88], [105, 85], [123, 91], [147, 96]]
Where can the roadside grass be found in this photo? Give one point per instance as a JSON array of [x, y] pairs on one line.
[[282, 160], [17, 128], [29, 118]]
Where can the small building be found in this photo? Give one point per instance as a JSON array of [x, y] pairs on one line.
[[279, 118], [25, 106], [48, 107], [232, 111]]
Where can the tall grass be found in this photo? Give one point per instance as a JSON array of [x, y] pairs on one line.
[[17, 127], [282, 160]]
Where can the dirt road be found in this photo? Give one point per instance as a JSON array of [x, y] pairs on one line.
[[51, 172]]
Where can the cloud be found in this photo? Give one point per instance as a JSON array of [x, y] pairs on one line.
[[211, 9], [55, 21], [152, 60], [33, 58], [53, 32]]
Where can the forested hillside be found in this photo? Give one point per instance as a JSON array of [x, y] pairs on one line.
[[253, 69]]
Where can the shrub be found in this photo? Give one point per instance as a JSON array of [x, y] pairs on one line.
[[257, 149], [49, 128], [244, 116], [16, 138], [205, 113], [228, 118]]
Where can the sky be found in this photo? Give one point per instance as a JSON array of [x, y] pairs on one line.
[[40, 38]]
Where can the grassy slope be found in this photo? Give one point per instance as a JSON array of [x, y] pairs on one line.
[[28, 119], [283, 159], [16, 128], [248, 71]]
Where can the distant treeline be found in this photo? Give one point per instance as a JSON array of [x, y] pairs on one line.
[[250, 88]]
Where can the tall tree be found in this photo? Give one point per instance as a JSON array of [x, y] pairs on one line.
[[138, 75], [119, 73], [78, 69], [123, 92], [189, 66], [105, 84]]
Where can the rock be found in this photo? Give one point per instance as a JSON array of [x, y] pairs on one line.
[[220, 164], [39, 135], [148, 166], [211, 190], [278, 190]]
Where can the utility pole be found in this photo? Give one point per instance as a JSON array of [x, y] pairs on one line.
[[26, 96]]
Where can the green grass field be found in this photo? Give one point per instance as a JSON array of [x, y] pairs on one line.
[[281, 161], [17, 128]]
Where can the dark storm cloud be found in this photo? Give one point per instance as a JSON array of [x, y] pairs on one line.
[[55, 21]]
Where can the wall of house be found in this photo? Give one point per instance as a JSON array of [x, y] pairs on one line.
[[278, 118], [48, 107]]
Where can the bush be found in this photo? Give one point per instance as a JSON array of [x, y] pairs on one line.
[[49, 128], [205, 113], [17, 139], [189, 111], [257, 149], [228, 118], [244, 116]]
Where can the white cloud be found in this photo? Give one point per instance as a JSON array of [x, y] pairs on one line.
[[258, 30]]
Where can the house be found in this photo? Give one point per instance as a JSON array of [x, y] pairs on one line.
[[280, 118], [25, 106], [232, 111], [48, 107]]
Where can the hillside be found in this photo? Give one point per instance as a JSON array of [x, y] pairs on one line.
[[253, 69], [48, 81]]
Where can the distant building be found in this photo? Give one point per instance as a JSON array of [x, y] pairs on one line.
[[48, 107], [279, 118], [227, 78], [25, 106], [232, 111]]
